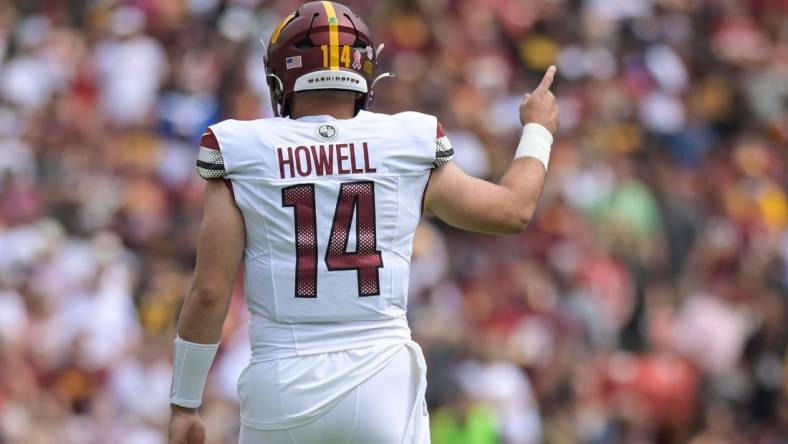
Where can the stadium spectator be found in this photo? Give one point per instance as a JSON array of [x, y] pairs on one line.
[[646, 303]]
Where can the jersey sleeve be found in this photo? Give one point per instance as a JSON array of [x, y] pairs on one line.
[[210, 161], [444, 152]]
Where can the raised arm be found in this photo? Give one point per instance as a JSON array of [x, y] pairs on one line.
[[507, 207], [220, 247]]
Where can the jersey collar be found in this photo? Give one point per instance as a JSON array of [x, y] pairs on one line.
[[327, 118]]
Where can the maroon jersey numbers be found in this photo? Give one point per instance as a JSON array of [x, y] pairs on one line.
[[302, 199], [354, 198]]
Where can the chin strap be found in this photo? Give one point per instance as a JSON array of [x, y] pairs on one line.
[[278, 81], [276, 94], [379, 77], [382, 76], [385, 74], [371, 92]]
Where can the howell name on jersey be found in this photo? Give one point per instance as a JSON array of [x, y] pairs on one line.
[[324, 160]]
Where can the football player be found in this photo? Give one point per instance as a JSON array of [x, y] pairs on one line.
[[320, 204]]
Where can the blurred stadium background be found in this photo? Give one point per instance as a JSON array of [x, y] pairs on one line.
[[645, 304]]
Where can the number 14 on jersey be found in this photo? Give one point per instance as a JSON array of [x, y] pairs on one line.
[[354, 198]]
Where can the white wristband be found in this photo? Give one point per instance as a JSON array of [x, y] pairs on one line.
[[190, 371], [535, 142]]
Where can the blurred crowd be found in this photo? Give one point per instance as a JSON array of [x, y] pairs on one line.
[[646, 303]]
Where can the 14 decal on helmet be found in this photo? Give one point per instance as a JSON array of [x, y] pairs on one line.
[[344, 57]]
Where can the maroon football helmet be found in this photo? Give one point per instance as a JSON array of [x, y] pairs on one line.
[[322, 45]]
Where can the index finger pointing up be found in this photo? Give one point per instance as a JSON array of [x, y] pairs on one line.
[[547, 80]]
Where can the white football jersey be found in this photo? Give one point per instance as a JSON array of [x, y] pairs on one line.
[[330, 208]]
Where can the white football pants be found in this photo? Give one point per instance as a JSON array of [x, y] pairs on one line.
[[387, 408]]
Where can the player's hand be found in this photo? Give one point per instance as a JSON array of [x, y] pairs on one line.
[[186, 427], [540, 106]]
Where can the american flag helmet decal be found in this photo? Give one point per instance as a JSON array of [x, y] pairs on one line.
[[293, 62]]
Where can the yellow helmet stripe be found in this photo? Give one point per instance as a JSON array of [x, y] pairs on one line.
[[279, 27], [333, 36]]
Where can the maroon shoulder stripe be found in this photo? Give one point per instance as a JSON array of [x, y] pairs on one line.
[[208, 140]]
